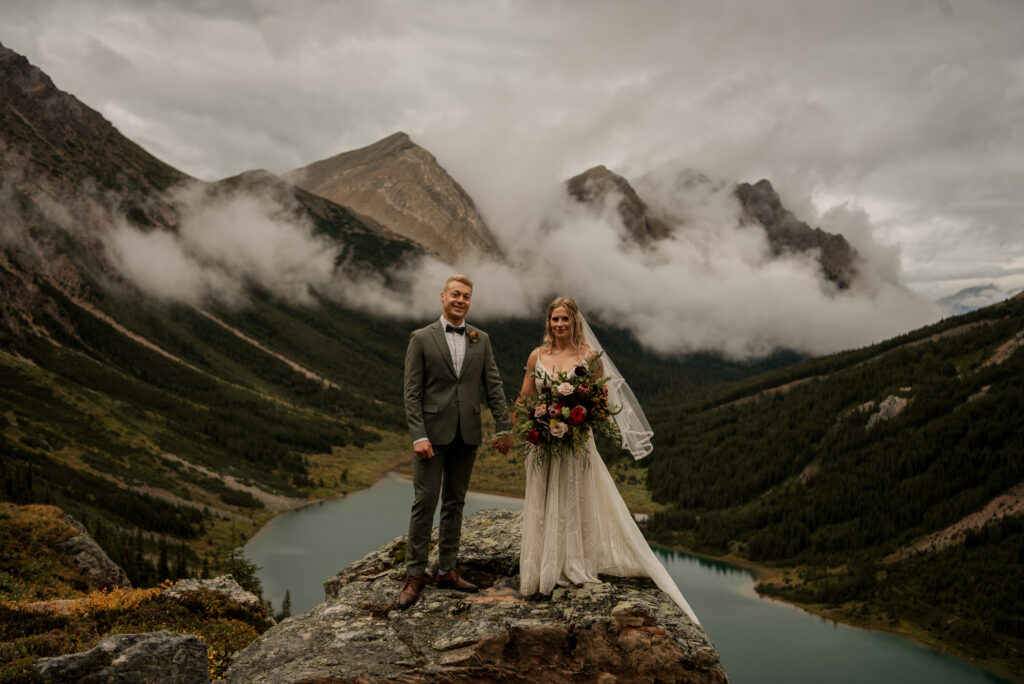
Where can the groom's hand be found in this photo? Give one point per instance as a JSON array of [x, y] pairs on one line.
[[423, 450], [502, 443]]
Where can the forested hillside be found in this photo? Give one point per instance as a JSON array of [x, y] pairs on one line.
[[837, 465]]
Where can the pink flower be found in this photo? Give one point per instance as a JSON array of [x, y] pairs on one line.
[[559, 429], [540, 410], [583, 390], [555, 410], [565, 389]]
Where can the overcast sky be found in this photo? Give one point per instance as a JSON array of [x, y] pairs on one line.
[[902, 119]]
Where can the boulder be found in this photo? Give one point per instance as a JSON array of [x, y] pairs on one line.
[[620, 629], [158, 657]]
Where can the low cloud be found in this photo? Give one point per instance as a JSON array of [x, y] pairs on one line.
[[223, 245], [713, 286]]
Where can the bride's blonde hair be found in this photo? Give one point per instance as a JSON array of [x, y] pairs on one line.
[[577, 338]]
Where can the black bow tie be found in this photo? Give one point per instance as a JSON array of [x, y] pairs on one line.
[[461, 330]]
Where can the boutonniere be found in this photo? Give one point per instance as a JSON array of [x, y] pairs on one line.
[[474, 336]]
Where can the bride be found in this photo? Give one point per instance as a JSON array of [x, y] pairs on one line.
[[575, 523]]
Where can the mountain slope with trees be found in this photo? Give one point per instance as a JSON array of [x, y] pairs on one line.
[[837, 465]]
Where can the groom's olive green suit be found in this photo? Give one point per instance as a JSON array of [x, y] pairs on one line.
[[444, 407]]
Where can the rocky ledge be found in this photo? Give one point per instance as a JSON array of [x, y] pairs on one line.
[[618, 630]]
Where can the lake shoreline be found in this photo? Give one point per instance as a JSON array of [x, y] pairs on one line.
[[911, 632]]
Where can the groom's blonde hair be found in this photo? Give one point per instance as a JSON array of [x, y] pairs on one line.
[[577, 322], [458, 277]]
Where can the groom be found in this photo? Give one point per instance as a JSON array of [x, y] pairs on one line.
[[445, 364]]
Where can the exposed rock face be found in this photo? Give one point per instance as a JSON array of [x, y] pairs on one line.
[[593, 187], [617, 630], [158, 657], [788, 234], [398, 185], [1005, 350], [225, 584], [889, 408], [95, 565]]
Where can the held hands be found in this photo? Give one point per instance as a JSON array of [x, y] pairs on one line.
[[502, 443]]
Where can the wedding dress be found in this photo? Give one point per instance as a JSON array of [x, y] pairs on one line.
[[576, 526]]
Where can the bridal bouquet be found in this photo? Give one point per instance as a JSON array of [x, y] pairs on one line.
[[558, 419]]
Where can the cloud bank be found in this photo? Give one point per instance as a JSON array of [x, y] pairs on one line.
[[714, 286]]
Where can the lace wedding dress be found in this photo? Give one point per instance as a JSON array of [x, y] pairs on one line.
[[576, 526]]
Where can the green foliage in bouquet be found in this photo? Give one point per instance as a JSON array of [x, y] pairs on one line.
[[558, 419]]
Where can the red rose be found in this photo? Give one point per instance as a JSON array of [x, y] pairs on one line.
[[577, 415], [533, 436]]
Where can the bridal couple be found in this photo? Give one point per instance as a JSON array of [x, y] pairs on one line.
[[575, 524]]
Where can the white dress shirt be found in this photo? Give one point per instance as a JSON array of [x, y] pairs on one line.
[[456, 344]]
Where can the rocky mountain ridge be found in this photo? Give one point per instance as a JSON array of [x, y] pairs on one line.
[[760, 205]]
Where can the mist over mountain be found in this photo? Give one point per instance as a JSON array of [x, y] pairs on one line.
[[760, 206], [971, 298], [732, 270]]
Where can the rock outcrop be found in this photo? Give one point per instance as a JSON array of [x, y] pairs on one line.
[[888, 408], [786, 233], [396, 184], [162, 657], [595, 185], [93, 562], [621, 629], [224, 585]]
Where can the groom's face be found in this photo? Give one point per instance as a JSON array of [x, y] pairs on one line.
[[455, 301]]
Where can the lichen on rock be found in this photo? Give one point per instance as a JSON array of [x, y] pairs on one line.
[[620, 629]]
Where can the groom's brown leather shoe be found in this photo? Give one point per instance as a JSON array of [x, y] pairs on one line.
[[452, 580], [411, 591]]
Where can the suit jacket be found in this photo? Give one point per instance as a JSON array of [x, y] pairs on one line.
[[437, 401]]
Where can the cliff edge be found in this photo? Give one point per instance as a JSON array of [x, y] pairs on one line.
[[622, 629]]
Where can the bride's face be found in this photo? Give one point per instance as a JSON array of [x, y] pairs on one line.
[[561, 323]]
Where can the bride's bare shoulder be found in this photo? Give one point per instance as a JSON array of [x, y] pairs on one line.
[[534, 355], [588, 353]]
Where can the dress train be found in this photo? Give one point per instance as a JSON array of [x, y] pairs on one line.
[[576, 525]]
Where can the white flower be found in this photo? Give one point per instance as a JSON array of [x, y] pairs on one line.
[[565, 389], [559, 429]]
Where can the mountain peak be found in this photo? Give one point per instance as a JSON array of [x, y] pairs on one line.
[[786, 233], [595, 184], [400, 186]]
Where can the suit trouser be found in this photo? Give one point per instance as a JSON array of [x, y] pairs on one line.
[[447, 473]]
